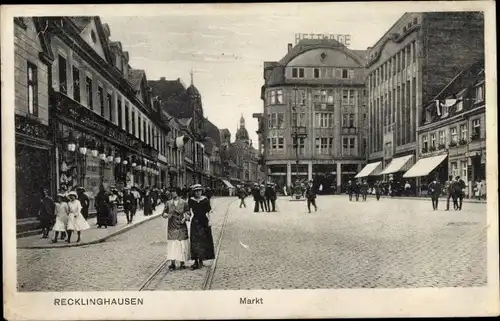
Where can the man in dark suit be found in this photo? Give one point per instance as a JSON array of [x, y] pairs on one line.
[[450, 189], [129, 204], [311, 196], [256, 197], [459, 191], [271, 197], [434, 190]]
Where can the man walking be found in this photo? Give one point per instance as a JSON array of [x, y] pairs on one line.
[[256, 197], [459, 191], [450, 189], [262, 198], [271, 197], [46, 213], [129, 204], [434, 190], [311, 196], [242, 194], [377, 190], [350, 189], [364, 190], [357, 188]]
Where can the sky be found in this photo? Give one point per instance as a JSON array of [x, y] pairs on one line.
[[226, 48]]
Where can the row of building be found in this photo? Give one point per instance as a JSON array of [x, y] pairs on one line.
[[84, 117], [414, 99]]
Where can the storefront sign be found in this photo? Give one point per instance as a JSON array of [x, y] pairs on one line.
[[342, 38], [31, 127]]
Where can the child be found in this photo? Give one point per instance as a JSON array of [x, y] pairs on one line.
[[61, 211]]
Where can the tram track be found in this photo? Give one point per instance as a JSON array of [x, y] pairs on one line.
[[162, 268]]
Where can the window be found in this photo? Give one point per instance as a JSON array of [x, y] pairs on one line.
[[324, 120], [317, 73], [460, 105], [300, 121], [133, 122], [442, 138], [281, 143], [345, 97], [324, 146], [351, 73], [317, 96], [273, 97], [479, 94], [414, 50], [100, 94], [433, 140], [301, 145], [345, 146], [403, 58], [425, 143], [463, 132], [345, 73], [32, 90], [330, 97], [110, 107], [454, 169], [88, 91], [301, 72], [281, 118], [279, 96], [345, 120], [139, 125], [119, 110], [76, 84], [276, 120], [126, 118], [476, 128], [63, 78], [352, 143], [297, 72], [302, 97], [323, 96], [352, 120], [463, 167], [453, 135]]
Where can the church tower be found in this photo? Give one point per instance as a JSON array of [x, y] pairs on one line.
[[242, 133]]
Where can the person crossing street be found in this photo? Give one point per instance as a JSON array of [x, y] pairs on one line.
[[450, 189], [271, 197], [434, 190], [311, 197], [242, 194], [364, 190]]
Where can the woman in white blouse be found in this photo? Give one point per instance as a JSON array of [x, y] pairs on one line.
[[76, 221]]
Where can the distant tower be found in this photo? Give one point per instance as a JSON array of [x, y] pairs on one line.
[[242, 133]]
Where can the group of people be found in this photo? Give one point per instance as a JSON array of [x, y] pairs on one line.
[[67, 214], [181, 245], [454, 188], [264, 196]]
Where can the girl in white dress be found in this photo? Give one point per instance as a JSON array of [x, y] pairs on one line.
[[61, 211], [76, 221]]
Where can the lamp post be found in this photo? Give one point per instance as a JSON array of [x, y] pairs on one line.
[[298, 131]]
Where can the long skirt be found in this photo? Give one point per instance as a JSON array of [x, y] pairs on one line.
[[178, 250], [60, 225], [102, 216], [78, 223], [202, 242], [112, 218]]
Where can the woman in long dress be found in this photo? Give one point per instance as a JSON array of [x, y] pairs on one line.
[[113, 204], [102, 207], [177, 212], [76, 221], [202, 243], [61, 211]]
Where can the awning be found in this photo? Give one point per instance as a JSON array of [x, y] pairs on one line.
[[227, 183], [368, 169], [424, 166], [398, 165]]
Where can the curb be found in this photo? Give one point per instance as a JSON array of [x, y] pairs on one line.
[[419, 198], [99, 240]]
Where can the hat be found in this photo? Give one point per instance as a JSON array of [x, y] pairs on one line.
[[196, 187], [73, 193], [60, 195]]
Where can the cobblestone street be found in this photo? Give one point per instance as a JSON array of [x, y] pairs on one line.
[[121, 263], [386, 244]]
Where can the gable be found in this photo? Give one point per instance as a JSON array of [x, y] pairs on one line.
[[324, 57], [91, 36]]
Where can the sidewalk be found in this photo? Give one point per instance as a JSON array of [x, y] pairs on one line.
[[90, 236]]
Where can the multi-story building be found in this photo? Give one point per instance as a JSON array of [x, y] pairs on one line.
[[35, 168], [317, 91], [248, 160], [407, 67], [452, 132]]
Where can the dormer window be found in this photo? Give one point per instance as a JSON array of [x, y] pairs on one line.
[[479, 93], [93, 36]]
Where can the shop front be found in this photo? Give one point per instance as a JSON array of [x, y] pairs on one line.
[[92, 152]]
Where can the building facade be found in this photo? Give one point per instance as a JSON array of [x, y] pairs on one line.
[[35, 169], [406, 68], [315, 93], [452, 132]]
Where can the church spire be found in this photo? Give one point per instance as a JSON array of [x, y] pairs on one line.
[[242, 122], [191, 73]]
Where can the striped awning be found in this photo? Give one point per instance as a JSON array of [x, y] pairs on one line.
[[399, 164], [369, 169], [227, 183], [424, 166]]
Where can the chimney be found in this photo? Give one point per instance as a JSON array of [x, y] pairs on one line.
[[290, 47], [162, 79]]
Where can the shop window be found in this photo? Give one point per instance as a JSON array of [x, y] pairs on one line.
[[32, 90]]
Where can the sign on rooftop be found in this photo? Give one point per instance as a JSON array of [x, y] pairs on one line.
[[342, 38]]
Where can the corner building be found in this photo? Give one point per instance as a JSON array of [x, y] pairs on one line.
[[317, 89], [407, 68]]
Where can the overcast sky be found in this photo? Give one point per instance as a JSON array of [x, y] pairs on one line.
[[226, 50]]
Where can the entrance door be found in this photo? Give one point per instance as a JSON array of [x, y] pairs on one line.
[[32, 175]]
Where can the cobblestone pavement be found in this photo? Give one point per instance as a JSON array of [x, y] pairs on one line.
[[121, 263], [372, 244]]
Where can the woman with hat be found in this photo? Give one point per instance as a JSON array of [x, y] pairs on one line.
[[177, 212], [202, 243], [61, 211], [76, 221], [113, 204], [84, 200]]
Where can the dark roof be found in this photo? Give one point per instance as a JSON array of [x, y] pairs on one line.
[[306, 44], [166, 88], [277, 76], [224, 133], [212, 131], [242, 134], [135, 77], [192, 90], [209, 145]]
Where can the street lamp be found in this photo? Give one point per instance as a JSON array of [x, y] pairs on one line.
[[298, 131]]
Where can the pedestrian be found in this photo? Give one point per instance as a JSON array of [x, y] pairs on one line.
[[61, 213], [262, 198], [148, 203], [364, 190], [377, 190], [113, 205], [202, 243], [459, 191], [177, 212], [478, 189], [350, 189], [270, 197], [84, 200], [311, 196], [242, 194], [256, 197], [102, 207], [46, 213], [154, 198], [407, 188], [129, 204], [434, 190], [76, 221], [450, 189]]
